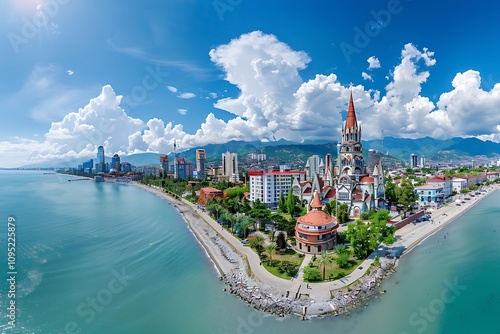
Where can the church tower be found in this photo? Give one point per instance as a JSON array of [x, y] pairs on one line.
[[351, 158], [359, 187]]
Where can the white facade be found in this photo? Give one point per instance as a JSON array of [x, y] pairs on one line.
[[268, 186], [313, 166], [459, 184], [230, 166], [430, 194], [444, 182]]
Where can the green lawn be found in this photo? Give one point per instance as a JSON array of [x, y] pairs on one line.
[[275, 271], [333, 270], [294, 258]]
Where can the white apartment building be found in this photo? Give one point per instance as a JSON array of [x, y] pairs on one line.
[[268, 186]]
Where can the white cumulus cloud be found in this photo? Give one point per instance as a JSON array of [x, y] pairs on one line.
[[373, 62], [172, 89], [366, 76], [276, 102], [186, 95]]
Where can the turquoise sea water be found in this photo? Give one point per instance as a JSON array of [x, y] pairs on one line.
[[109, 258]]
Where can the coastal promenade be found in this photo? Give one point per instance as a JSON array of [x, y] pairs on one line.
[[406, 238]]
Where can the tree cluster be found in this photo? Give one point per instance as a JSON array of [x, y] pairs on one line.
[[365, 238]]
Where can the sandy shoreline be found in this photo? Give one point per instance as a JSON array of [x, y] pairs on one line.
[[240, 268]]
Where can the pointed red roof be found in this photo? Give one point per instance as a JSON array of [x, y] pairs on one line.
[[351, 115], [316, 203]]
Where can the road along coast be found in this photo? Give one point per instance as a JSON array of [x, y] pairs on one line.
[[240, 267], [413, 234]]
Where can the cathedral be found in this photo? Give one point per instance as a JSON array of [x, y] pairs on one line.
[[351, 181]]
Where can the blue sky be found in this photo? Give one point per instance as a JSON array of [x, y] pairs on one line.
[[202, 72]]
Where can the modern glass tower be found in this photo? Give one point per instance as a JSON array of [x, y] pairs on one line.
[[115, 162], [101, 160], [200, 163]]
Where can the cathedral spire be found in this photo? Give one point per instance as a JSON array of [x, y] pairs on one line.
[[351, 115]]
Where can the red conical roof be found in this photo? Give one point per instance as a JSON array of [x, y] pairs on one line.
[[351, 115], [316, 203], [317, 217]]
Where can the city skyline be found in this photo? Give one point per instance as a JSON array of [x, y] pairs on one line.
[[141, 77]]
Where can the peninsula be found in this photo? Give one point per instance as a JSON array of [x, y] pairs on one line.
[[241, 269]]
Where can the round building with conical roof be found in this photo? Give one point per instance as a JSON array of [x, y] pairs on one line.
[[316, 231]]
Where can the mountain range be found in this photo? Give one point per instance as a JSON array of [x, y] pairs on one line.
[[457, 150]]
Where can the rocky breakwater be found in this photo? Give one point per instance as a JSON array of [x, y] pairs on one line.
[[265, 299], [345, 301]]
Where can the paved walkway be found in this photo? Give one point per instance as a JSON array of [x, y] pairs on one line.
[[305, 261], [407, 237], [317, 291]]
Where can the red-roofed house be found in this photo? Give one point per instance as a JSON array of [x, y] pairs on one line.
[[443, 181], [206, 194]]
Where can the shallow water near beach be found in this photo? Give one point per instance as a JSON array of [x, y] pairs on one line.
[[111, 258]]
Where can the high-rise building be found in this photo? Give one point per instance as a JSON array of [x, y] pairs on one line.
[[88, 166], [373, 159], [126, 167], [164, 165], [413, 160], [258, 156], [313, 166], [180, 171], [230, 166], [115, 163], [200, 163], [101, 160]]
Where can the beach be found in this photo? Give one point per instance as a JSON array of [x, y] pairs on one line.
[[239, 266]]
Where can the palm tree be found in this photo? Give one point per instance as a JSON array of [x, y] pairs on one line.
[[270, 250], [231, 220], [342, 258], [341, 249], [245, 225], [259, 242], [323, 260], [259, 239]]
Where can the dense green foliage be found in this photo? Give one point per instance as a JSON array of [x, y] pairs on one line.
[[406, 195], [331, 208], [390, 190], [311, 274], [364, 238], [343, 254], [343, 213], [270, 250]]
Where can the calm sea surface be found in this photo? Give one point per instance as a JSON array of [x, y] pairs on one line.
[[109, 258]]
